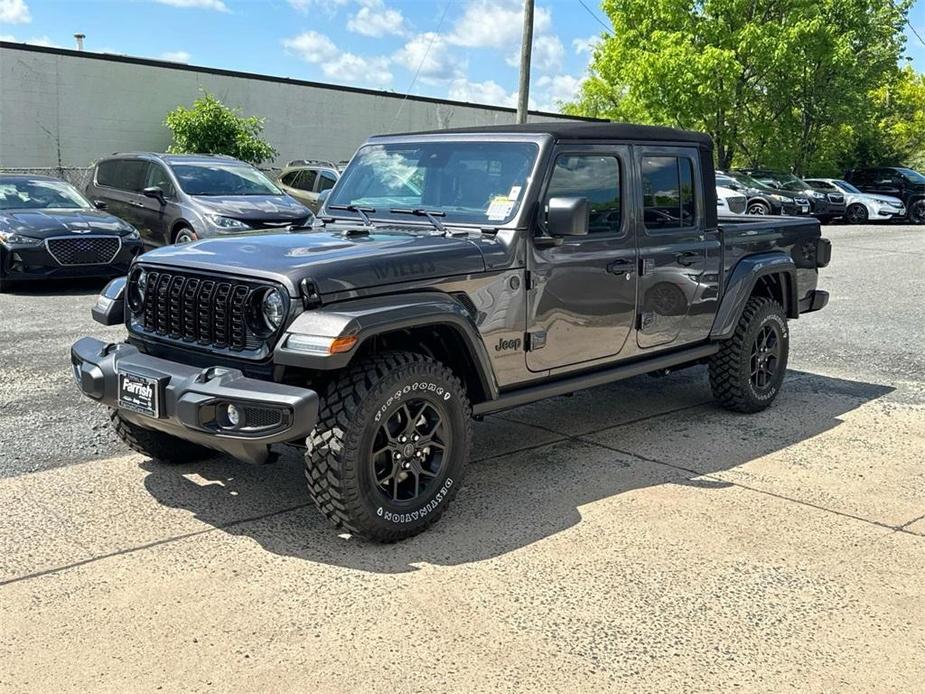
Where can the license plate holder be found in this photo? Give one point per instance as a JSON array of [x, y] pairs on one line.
[[140, 394]]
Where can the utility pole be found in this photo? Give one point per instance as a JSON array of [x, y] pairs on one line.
[[526, 48]]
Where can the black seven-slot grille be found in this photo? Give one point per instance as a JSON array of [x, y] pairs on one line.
[[83, 250], [199, 310]]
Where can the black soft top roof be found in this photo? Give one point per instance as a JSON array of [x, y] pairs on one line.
[[565, 130]]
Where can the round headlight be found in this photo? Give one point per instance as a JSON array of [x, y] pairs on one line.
[[137, 287], [273, 308]]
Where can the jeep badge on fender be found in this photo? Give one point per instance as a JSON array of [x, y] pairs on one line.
[[361, 343]]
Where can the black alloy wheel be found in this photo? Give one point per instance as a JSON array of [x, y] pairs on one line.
[[917, 212], [758, 208], [856, 214], [765, 357], [409, 450]]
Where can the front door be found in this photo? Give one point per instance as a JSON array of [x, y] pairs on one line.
[[679, 258], [582, 294], [154, 217]]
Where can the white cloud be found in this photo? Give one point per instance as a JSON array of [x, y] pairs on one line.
[[342, 66], [586, 45], [488, 92], [326, 6], [176, 56], [547, 55], [429, 51], [495, 24], [7, 37], [374, 18], [34, 41], [551, 91], [14, 12], [200, 4]]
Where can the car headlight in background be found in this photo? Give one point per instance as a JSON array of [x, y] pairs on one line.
[[784, 199], [137, 289], [133, 235], [12, 239], [228, 223], [273, 308]]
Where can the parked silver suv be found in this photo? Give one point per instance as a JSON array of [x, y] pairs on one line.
[[177, 198]]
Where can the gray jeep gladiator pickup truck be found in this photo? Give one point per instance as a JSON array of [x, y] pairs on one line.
[[449, 275]]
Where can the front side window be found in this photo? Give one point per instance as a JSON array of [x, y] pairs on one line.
[[39, 194], [219, 178], [471, 182], [157, 178], [668, 195], [596, 178], [911, 175]]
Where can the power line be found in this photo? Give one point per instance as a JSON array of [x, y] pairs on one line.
[[905, 17], [596, 18]]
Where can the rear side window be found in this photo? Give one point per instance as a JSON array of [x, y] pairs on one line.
[[327, 181], [124, 174], [596, 178], [307, 180], [668, 196]]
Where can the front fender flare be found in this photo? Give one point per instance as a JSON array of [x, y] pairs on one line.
[[373, 316], [742, 281]]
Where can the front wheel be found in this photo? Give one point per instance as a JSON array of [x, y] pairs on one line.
[[748, 371], [758, 208], [392, 440], [856, 214], [917, 212]]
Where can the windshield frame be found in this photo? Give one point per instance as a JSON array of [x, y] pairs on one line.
[[87, 205], [172, 165], [846, 187], [543, 141]]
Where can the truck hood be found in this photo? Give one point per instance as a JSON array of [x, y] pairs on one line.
[[42, 224], [335, 261]]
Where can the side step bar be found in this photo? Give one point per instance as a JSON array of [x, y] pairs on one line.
[[522, 396]]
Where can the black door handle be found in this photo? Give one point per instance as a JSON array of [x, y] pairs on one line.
[[621, 266], [687, 257]]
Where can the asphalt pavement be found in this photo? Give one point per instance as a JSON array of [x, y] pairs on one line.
[[632, 538]]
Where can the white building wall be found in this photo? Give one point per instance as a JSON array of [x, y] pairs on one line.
[[63, 108]]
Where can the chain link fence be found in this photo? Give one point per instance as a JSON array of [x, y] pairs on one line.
[[77, 176]]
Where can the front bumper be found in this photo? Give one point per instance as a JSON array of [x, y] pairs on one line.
[[20, 262], [814, 301], [191, 399]]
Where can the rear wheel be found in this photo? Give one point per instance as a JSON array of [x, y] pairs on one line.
[[747, 373], [856, 214], [388, 452], [757, 207], [157, 445]]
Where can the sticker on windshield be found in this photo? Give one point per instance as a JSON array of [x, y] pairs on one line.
[[515, 193], [500, 208]]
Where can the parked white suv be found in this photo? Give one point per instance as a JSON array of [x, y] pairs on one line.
[[861, 207], [729, 201]]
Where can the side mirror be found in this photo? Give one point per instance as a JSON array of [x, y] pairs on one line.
[[568, 216], [100, 204], [156, 193]]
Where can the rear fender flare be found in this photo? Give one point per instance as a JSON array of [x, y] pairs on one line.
[[741, 283], [367, 318]]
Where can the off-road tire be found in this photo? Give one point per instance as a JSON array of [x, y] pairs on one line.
[[730, 368], [157, 445], [339, 463]]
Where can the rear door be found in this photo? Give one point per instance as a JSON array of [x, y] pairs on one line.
[[582, 294], [679, 258]]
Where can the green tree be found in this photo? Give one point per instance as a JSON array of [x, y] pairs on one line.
[[210, 127], [772, 81]]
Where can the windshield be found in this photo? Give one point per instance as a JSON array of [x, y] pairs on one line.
[[39, 194], [471, 182], [747, 181], [847, 187], [913, 176], [213, 178]]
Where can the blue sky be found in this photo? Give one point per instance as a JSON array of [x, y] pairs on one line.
[[459, 49]]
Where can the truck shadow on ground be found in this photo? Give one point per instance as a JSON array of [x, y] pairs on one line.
[[60, 287], [513, 498]]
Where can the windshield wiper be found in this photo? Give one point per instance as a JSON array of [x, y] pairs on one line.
[[361, 210], [418, 212]]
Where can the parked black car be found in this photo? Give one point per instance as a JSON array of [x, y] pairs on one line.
[[49, 230], [458, 273], [177, 198], [824, 206], [896, 181], [762, 199]]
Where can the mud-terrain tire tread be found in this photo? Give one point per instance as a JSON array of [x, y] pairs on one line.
[[333, 447], [157, 445], [728, 387]]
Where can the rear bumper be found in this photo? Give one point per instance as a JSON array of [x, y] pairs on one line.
[[814, 301], [192, 399]]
